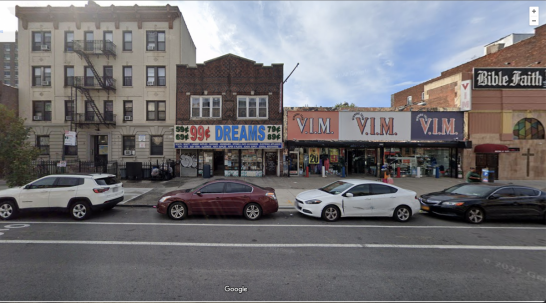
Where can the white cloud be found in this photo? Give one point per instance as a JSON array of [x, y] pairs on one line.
[[359, 52]]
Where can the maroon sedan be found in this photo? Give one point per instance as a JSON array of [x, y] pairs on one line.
[[220, 197]]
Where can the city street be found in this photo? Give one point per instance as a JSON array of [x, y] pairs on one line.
[[136, 254]]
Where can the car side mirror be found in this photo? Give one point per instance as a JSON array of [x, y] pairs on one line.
[[198, 193], [27, 186], [493, 197], [349, 195]]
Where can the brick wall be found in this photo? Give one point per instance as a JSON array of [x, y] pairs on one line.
[[225, 76], [526, 53], [9, 96]]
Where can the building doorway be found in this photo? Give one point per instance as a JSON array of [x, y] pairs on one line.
[[100, 152], [218, 163], [491, 161], [294, 162], [271, 163]]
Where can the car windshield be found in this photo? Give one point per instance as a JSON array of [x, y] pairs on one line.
[[336, 187], [470, 190]]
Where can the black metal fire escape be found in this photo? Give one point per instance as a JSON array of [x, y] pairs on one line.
[[85, 84]]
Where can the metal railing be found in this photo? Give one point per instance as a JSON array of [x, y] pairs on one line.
[[157, 170], [90, 117], [90, 82], [95, 47], [50, 167]]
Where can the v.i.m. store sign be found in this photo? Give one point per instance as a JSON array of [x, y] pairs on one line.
[[375, 126]]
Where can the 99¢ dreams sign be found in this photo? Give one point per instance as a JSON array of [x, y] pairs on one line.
[[228, 136]]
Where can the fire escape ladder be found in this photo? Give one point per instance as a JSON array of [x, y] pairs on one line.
[[93, 105]]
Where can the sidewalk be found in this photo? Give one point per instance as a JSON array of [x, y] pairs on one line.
[[287, 188]]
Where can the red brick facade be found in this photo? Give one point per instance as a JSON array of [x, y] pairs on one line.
[[228, 75], [527, 53], [9, 96]]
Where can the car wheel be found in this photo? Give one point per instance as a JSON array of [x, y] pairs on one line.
[[80, 210], [7, 210], [330, 213], [178, 211], [252, 211], [402, 213], [475, 215]]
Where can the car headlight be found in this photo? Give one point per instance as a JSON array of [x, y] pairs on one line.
[[313, 201], [453, 203], [164, 198]]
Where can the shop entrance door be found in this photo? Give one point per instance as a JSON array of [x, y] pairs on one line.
[[218, 163], [490, 161], [270, 164], [293, 165]]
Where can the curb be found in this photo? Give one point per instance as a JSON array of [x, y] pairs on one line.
[[151, 206]]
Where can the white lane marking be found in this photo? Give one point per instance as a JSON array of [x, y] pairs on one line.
[[139, 194], [275, 245], [295, 225], [16, 225]]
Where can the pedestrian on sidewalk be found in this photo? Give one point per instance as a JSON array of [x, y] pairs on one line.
[[472, 176]]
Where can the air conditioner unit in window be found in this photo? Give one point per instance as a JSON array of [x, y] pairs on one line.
[[150, 83], [45, 47], [37, 118], [151, 47], [128, 118], [127, 153], [68, 118], [45, 83]]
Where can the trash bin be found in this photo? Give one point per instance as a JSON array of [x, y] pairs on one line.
[[491, 176], [206, 171]]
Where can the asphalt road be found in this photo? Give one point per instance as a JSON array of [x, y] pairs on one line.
[[136, 254]]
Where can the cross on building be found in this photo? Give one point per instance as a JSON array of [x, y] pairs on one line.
[[528, 154]]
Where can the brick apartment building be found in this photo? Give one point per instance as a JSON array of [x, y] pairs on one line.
[[9, 96], [229, 116], [106, 73], [9, 59], [505, 123]]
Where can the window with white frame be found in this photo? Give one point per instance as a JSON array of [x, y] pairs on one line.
[[409, 100], [422, 96], [252, 107], [206, 107]]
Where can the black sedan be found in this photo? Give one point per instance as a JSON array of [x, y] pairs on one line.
[[477, 201]]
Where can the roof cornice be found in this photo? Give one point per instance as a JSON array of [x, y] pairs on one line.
[[98, 14]]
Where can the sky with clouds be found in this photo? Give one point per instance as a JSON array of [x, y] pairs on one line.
[[359, 52]]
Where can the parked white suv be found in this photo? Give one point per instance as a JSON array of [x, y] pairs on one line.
[[79, 194]]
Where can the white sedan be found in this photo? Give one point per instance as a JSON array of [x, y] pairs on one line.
[[358, 198]]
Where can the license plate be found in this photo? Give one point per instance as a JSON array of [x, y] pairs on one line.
[[115, 189], [425, 207]]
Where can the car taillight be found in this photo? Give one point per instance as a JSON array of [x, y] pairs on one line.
[[271, 195], [100, 190]]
